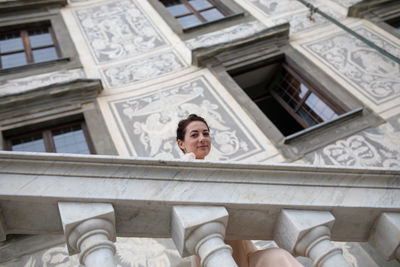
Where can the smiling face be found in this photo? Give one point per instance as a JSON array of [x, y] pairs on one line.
[[196, 139]]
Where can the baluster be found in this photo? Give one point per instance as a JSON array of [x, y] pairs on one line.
[[307, 234], [89, 230], [385, 236], [200, 230]]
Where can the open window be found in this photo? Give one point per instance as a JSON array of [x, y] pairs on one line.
[[289, 100]]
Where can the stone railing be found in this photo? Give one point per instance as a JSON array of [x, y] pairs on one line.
[[93, 199]]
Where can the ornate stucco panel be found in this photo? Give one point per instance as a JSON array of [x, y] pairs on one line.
[[375, 147], [142, 69], [117, 30], [371, 73]]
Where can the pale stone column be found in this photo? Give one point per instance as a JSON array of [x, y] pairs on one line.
[[200, 230], [307, 234], [89, 230], [385, 236]]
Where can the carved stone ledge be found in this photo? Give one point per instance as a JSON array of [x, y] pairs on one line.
[[275, 36]]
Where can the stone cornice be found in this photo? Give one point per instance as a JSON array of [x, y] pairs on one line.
[[367, 7], [143, 192], [15, 5], [50, 99], [208, 48]]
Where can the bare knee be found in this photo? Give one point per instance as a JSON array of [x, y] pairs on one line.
[[273, 257]]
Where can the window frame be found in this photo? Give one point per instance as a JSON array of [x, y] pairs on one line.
[[197, 13], [68, 59], [311, 89], [237, 15], [23, 32], [48, 138]]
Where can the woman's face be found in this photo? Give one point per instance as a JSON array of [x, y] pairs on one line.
[[197, 139]]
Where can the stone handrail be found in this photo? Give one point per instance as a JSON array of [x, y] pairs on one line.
[[262, 200]]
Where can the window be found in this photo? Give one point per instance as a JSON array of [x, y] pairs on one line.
[[191, 18], [26, 45], [191, 13], [66, 138], [290, 101], [395, 23]]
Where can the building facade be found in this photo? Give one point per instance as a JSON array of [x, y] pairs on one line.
[[277, 81]]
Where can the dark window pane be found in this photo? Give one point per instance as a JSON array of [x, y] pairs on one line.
[[31, 144], [189, 21], [45, 54], [70, 140], [212, 14], [308, 117], [200, 4], [13, 60], [11, 44], [40, 39], [178, 9]]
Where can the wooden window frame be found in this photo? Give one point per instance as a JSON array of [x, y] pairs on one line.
[[47, 135], [23, 31], [197, 13], [236, 14], [311, 89]]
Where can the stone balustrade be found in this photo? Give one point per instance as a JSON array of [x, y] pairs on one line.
[[91, 200]]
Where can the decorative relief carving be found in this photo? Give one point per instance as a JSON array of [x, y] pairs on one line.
[[32, 82], [300, 21], [371, 73], [150, 121], [118, 30], [378, 147], [142, 69], [226, 35], [346, 3], [275, 7]]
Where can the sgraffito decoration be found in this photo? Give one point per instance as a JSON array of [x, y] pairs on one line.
[[375, 147], [142, 69], [118, 30], [374, 75], [275, 7]]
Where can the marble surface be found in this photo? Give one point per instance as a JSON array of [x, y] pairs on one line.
[[25, 84], [31, 184]]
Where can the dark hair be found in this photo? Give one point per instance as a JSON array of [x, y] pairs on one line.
[[181, 130]]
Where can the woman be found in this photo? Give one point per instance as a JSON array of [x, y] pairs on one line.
[[193, 138]]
